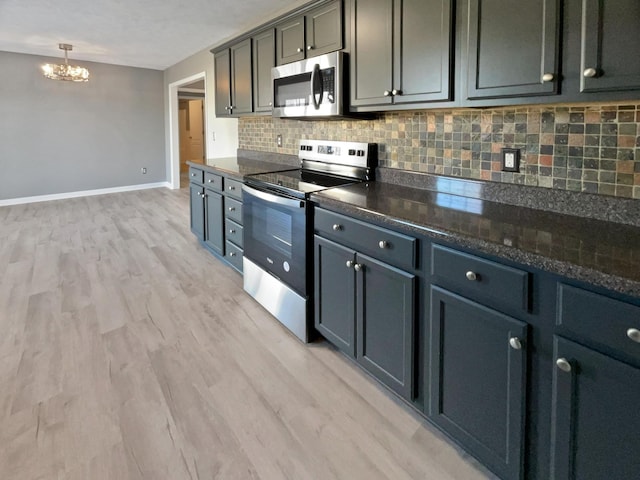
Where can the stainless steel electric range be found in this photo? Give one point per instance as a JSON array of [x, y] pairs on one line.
[[278, 226]]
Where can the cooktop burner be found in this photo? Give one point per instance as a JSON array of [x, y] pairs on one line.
[[325, 164]]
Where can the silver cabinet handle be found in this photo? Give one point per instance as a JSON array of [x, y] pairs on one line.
[[299, 50], [634, 334], [350, 263], [357, 267], [590, 72], [309, 47], [232, 209], [386, 93], [548, 77], [471, 276], [271, 104], [395, 92], [231, 188], [210, 181], [337, 227], [232, 254], [563, 364], [383, 244], [232, 231], [515, 343], [194, 174]]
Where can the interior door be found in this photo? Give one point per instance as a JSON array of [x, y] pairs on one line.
[[196, 130]]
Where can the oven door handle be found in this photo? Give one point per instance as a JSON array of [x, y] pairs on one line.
[[273, 198]]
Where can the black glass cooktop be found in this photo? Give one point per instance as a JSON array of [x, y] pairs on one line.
[[298, 183]]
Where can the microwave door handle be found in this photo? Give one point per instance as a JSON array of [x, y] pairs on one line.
[[316, 86]]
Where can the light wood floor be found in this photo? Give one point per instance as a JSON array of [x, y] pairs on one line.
[[129, 352]]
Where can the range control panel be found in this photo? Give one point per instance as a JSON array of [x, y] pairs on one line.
[[357, 154]]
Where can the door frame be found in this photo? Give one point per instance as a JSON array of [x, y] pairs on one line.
[[174, 128]]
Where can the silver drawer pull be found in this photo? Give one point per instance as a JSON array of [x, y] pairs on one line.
[[350, 263], [309, 47], [232, 231], [299, 50], [548, 77], [357, 267], [232, 254], [472, 276], [563, 364], [194, 174], [515, 343], [231, 188], [589, 72], [634, 334], [232, 209], [337, 227], [383, 244]]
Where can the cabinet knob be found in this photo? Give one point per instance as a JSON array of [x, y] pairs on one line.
[[309, 47], [194, 174], [471, 276], [231, 188], [395, 92], [271, 104], [634, 334], [515, 343], [589, 72], [563, 364], [232, 231], [383, 244], [548, 77], [357, 267], [232, 254], [232, 209], [337, 227], [386, 93], [350, 263], [299, 50]]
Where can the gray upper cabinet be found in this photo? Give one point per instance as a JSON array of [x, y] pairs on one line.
[[313, 33], [263, 62], [610, 45], [233, 80], [401, 51], [512, 48]]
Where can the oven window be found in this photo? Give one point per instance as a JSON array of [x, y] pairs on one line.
[[274, 229]]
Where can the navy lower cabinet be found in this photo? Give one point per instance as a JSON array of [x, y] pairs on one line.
[[595, 419], [214, 237], [365, 306], [477, 370], [196, 203]]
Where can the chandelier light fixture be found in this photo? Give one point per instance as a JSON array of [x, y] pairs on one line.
[[71, 73]]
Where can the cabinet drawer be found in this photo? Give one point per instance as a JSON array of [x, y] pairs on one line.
[[233, 209], [233, 255], [233, 231], [487, 282], [598, 319], [233, 188], [381, 243], [213, 181], [196, 175]]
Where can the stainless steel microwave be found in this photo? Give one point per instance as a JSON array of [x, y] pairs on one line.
[[310, 88]]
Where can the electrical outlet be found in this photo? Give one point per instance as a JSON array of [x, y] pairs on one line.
[[279, 140], [510, 159], [143, 170]]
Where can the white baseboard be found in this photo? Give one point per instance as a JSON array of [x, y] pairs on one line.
[[83, 193]]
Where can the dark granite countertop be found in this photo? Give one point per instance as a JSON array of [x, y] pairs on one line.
[[603, 253], [238, 167]]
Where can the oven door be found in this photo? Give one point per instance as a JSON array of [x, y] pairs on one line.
[[275, 235]]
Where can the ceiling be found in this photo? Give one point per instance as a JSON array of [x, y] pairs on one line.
[[141, 33]]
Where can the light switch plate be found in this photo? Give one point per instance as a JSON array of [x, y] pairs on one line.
[[510, 159]]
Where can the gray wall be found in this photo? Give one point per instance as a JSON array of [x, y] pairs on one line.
[[60, 137]]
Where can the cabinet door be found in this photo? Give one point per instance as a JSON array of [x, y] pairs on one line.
[[214, 228], [241, 78], [478, 379], [335, 294], [596, 425], [290, 41], [512, 45], [386, 311], [423, 52], [324, 29], [222, 65], [371, 52], [196, 204], [610, 45], [264, 51]]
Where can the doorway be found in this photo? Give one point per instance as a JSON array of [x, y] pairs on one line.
[[187, 125]]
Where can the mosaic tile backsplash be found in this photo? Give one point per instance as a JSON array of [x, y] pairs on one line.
[[594, 148]]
